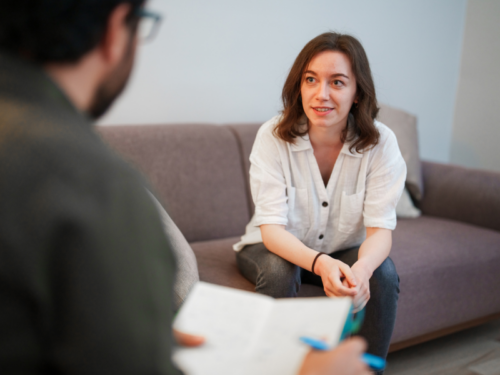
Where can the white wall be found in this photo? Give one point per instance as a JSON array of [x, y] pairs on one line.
[[225, 61], [476, 130]]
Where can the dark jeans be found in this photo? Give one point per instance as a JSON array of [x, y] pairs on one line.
[[276, 277]]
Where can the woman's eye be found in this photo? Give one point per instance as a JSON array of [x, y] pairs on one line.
[[309, 79], [338, 83]]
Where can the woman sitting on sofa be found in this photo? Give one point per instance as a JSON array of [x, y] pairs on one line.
[[326, 178]]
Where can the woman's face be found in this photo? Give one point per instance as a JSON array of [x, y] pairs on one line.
[[328, 90]]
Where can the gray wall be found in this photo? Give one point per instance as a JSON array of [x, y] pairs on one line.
[[226, 60], [476, 129]]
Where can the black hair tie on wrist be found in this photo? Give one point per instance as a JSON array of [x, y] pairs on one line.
[[314, 262]]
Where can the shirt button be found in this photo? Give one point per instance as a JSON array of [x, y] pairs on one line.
[[325, 204], [321, 236]]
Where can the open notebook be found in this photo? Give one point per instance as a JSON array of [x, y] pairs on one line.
[[248, 333]]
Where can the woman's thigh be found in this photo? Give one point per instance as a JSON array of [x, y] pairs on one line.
[[271, 274]]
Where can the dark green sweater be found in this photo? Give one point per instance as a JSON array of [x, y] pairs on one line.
[[86, 273]]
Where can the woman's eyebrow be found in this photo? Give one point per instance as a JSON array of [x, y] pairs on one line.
[[335, 75], [339, 75]]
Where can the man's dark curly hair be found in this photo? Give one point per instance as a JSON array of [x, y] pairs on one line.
[[59, 31]]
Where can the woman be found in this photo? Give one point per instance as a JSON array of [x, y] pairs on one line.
[[325, 178]]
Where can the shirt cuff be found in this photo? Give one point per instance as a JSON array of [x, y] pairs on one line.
[[381, 223], [261, 220]]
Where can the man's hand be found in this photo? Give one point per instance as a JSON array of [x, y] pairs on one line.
[[338, 279], [185, 339], [343, 360]]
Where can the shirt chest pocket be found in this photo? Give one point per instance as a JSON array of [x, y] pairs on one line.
[[351, 212], [298, 212]]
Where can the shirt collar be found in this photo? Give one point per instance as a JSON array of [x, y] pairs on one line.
[[303, 143]]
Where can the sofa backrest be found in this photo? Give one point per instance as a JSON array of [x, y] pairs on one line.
[[245, 135], [196, 171]]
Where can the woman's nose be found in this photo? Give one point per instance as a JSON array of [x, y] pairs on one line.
[[322, 93]]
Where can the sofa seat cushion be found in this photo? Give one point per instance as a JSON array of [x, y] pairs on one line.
[[217, 265], [449, 271]]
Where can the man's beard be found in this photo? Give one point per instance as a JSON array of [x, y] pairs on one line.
[[114, 84]]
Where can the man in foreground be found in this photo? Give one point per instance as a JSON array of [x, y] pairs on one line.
[[86, 272]]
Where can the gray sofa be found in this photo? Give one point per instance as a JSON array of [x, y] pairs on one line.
[[448, 259]]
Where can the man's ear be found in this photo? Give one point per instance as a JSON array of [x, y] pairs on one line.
[[115, 40]]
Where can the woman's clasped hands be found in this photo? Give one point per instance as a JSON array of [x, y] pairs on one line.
[[340, 280]]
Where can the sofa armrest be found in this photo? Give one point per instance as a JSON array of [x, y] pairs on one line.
[[468, 195]]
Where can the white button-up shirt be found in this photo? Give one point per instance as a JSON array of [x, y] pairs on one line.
[[287, 189]]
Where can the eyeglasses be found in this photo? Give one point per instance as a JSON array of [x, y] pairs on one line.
[[149, 24]]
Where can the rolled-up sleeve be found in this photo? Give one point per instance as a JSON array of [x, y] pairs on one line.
[[384, 182], [267, 180]]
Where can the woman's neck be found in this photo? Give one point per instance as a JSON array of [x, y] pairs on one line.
[[326, 136]]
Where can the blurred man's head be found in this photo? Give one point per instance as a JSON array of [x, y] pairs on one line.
[[85, 43]]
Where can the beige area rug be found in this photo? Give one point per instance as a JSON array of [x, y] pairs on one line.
[[475, 351]]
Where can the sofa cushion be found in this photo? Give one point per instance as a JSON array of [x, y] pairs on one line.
[[187, 269], [449, 274], [175, 156], [404, 127], [217, 263], [405, 207]]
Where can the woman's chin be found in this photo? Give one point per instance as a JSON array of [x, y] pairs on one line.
[[321, 123]]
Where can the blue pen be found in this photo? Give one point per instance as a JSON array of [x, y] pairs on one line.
[[375, 363], [315, 344]]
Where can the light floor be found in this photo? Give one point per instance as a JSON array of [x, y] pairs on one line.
[[475, 351]]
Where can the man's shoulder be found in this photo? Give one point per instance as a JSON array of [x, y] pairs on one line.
[[55, 147]]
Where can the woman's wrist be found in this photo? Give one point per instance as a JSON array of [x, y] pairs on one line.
[[321, 264], [364, 266], [315, 261]]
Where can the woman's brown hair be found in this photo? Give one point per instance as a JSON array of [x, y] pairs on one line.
[[364, 134]]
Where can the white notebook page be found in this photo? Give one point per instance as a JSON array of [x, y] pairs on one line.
[[247, 333]]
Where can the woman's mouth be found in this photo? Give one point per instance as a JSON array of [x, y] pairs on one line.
[[322, 111]]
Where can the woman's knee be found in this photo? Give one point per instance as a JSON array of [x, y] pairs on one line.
[[277, 267], [278, 278], [271, 274], [386, 277]]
